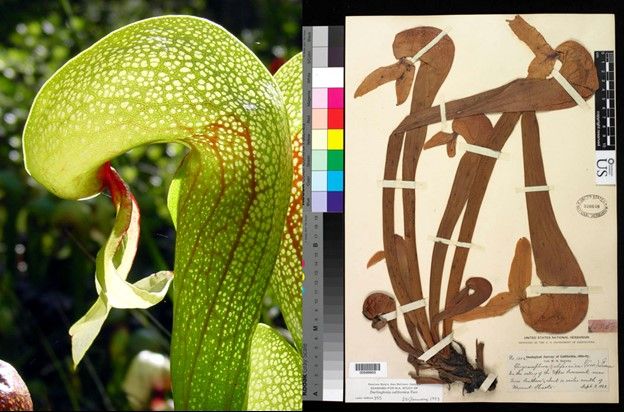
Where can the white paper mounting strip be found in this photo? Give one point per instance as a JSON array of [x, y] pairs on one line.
[[443, 115], [488, 382], [534, 189], [417, 304], [563, 290], [568, 87], [429, 45], [402, 184], [455, 243], [430, 353], [444, 123], [484, 151]]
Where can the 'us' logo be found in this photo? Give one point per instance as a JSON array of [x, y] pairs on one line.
[[604, 167]]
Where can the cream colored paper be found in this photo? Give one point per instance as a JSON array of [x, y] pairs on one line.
[[487, 55]]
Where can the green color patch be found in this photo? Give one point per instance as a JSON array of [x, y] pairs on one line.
[[335, 160]]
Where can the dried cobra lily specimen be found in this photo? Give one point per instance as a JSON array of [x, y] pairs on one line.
[[469, 186], [554, 261], [400, 251], [557, 265], [428, 80], [405, 277], [519, 98]]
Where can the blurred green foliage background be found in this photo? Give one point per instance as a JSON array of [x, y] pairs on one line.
[[47, 244]]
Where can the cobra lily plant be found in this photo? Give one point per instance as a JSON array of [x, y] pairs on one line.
[[235, 201]]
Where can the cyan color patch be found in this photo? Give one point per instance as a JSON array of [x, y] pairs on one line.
[[335, 181]]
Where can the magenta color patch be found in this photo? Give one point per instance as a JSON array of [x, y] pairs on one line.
[[335, 98], [319, 98]]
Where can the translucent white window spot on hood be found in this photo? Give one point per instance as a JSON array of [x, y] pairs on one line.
[[250, 106]]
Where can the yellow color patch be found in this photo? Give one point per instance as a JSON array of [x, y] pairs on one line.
[[335, 139]]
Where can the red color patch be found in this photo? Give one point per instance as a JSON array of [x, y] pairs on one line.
[[335, 118]]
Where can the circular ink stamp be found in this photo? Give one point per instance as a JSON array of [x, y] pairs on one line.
[[592, 206]]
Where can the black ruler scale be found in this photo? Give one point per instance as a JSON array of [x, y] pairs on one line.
[[605, 118]]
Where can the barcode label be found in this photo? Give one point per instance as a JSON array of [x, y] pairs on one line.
[[368, 369]]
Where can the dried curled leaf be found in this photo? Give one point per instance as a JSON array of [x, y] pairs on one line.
[[578, 68], [442, 138], [401, 71], [541, 66], [519, 279], [474, 129], [545, 56], [439, 139], [530, 36], [377, 304], [409, 42], [498, 305], [376, 258], [378, 77], [465, 301]]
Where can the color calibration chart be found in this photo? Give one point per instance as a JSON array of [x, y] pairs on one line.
[[323, 218], [327, 119]]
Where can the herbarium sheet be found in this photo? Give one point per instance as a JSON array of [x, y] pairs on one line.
[[480, 240]]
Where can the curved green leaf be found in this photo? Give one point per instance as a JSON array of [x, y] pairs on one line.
[[287, 279], [275, 378], [184, 79]]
